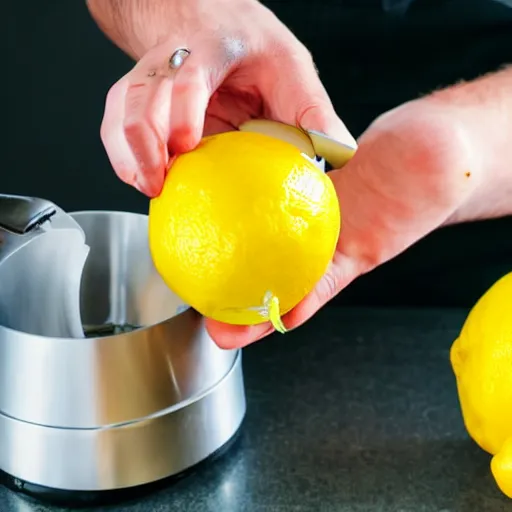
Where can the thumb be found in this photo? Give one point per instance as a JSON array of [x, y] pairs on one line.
[[342, 271], [299, 97]]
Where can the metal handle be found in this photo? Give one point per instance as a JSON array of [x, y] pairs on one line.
[[20, 214]]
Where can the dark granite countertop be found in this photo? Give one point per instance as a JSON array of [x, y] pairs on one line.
[[357, 411]]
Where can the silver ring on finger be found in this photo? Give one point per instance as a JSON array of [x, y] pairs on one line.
[[177, 59]]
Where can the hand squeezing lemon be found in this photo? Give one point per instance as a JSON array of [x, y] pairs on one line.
[[482, 362], [246, 224]]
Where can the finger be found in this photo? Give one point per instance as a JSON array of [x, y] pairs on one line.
[[165, 108], [341, 272], [146, 127], [136, 123], [112, 133], [192, 89], [236, 336], [299, 98], [198, 79]]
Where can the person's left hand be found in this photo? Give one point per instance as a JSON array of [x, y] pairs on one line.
[[415, 167]]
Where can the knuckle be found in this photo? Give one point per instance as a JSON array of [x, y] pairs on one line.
[[105, 130], [330, 285], [182, 132], [115, 93], [135, 126], [304, 53], [113, 108], [301, 56], [293, 51], [136, 95], [125, 174], [142, 140], [189, 83], [313, 108], [134, 129]]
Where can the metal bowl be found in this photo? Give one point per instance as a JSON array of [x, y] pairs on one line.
[[144, 395]]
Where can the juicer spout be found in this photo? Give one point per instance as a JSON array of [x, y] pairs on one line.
[[42, 256]]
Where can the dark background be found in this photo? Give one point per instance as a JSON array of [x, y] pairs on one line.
[[371, 57]]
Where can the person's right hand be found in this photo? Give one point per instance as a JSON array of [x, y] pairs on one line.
[[243, 63]]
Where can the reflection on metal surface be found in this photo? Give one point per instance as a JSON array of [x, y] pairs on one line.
[[132, 454], [99, 331]]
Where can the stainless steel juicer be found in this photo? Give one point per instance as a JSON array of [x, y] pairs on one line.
[[107, 380]]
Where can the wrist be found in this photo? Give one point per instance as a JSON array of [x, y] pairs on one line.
[[482, 107]]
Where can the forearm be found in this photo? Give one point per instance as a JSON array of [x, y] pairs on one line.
[[485, 106], [133, 25], [136, 26]]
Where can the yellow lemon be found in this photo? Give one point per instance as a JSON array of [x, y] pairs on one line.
[[244, 228], [481, 358]]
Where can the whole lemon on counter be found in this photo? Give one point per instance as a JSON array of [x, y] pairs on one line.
[[481, 358], [244, 227]]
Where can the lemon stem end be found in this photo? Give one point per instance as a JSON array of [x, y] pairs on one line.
[[274, 315]]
